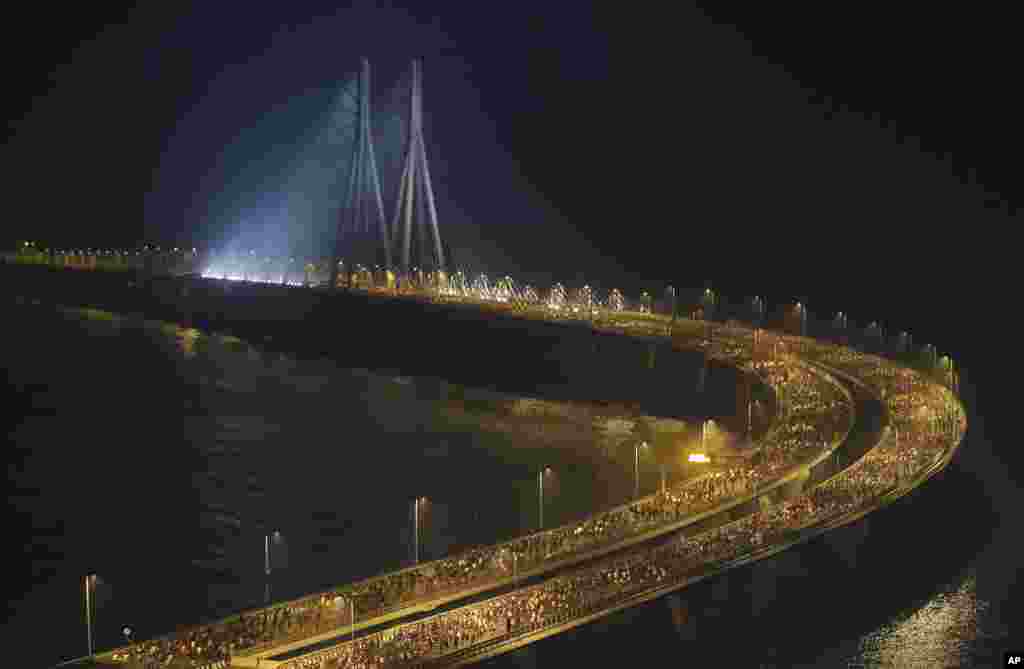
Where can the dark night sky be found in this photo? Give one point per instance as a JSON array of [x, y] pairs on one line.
[[808, 154]]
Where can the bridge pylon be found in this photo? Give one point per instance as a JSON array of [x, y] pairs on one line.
[[414, 228], [362, 235]]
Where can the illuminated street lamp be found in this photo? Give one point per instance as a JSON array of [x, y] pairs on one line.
[[128, 632], [801, 313], [545, 471], [670, 302], [946, 365], [266, 550], [930, 354], [708, 303], [636, 468]]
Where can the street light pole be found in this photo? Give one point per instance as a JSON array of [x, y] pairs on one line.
[[416, 531], [128, 632], [88, 611], [540, 496], [636, 468], [636, 471]]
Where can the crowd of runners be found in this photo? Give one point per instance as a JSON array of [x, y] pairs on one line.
[[595, 587]]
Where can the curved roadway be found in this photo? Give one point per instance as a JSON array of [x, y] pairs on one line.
[[874, 467], [891, 428]]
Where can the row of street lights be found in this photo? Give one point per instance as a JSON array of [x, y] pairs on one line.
[[418, 506], [708, 302], [546, 472]]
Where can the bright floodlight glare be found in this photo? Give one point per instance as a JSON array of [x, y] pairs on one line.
[[698, 457]]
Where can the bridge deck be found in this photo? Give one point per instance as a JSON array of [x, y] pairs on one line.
[[899, 465]]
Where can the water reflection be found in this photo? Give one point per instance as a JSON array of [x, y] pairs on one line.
[[932, 636]]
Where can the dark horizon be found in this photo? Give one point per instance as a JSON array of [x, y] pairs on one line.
[[864, 166]]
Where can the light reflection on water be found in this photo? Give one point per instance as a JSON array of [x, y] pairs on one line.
[[932, 636]]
